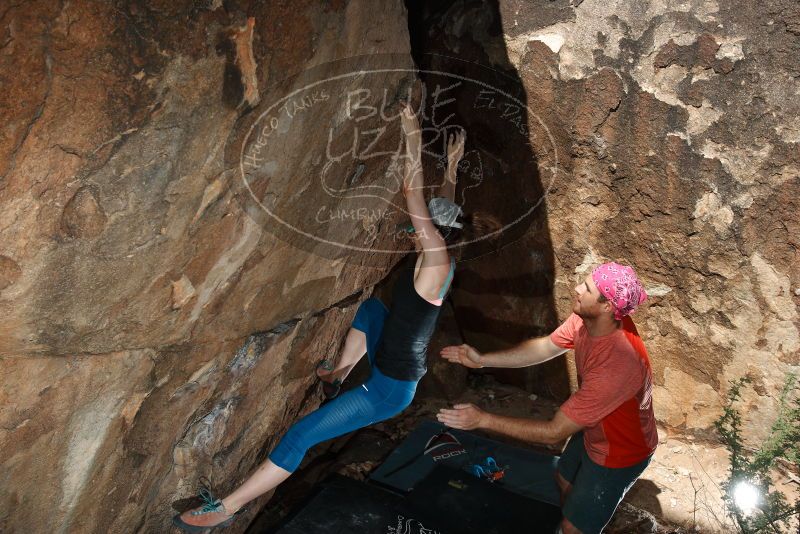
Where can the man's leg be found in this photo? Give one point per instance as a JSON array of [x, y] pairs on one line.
[[569, 528], [596, 493], [569, 464], [564, 487]]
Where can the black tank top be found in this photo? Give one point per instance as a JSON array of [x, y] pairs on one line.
[[407, 331]]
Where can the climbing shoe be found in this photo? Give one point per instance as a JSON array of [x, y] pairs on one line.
[[210, 515], [329, 389]]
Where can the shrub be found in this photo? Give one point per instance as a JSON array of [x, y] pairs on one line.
[[772, 513]]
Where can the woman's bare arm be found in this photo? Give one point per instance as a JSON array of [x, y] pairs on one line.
[[435, 261], [455, 151]]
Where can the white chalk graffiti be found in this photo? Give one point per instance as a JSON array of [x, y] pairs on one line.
[[408, 525], [354, 171]]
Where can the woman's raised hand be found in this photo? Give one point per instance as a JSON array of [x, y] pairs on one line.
[[455, 148], [463, 354], [409, 119]]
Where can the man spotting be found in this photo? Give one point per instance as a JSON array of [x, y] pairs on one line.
[[610, 416]]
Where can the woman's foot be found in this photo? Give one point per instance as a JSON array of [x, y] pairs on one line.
[[211, 514], [324, 369], [330, 387]]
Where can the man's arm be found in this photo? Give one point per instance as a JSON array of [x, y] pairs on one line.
[[548, 432], [469, 416], [530, 352], [527, 353]]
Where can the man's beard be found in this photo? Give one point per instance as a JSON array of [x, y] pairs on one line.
[[584, 315]]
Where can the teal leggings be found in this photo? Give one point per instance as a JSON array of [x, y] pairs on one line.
[[377, 399]]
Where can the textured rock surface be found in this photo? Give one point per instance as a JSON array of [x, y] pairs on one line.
[[153, 332], [676, 129]]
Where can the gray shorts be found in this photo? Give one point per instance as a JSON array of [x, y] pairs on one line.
[[596, 490]]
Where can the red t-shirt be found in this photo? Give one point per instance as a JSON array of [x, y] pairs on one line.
[[614, 398]]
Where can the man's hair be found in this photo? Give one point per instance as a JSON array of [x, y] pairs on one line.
[[602, 299]]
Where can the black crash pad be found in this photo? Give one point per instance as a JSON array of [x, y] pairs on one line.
[[529, 473], [447, 501], [426, 486], [461, 502], [344, 505]]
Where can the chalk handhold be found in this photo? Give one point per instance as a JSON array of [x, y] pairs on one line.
[[182, 292], [83, 216]]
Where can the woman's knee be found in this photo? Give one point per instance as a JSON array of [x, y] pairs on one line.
[[375, 308], [371, 306], [374, 302], [295, 439], [367, 312], [289, 451]]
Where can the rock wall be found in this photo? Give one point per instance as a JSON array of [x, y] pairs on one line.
[[155, 331], [676, 130]]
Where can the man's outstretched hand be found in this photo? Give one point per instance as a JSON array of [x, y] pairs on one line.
[[463, 417], [463, 354]]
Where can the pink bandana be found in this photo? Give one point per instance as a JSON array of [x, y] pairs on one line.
[[619, 284]]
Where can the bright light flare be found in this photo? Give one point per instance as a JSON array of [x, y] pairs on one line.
[[745, 496]]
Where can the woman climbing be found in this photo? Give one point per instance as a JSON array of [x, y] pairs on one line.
[[395, 340]]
